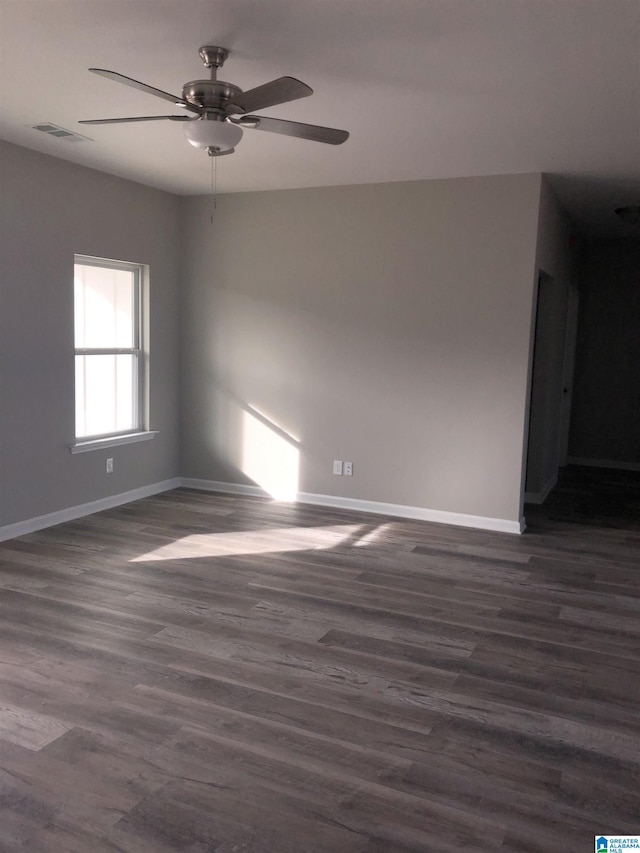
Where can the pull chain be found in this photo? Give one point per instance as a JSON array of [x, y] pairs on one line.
[[214, 185]]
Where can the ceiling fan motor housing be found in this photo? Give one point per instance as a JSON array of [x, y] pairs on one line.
[[210, 94]]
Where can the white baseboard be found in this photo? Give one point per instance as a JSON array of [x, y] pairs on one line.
[[604, 463], [21, 528], [540, 497], [500, 525], [225, 488], [31, 525]]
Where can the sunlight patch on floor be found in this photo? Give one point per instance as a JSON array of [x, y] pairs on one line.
[[275, 540], [373, 535]]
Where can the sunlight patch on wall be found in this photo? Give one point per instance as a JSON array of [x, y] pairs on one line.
[[269, 458], [278, 540]]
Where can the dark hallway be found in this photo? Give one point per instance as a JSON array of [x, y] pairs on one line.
[[598, 497]]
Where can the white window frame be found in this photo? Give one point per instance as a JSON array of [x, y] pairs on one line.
[[139, 431]]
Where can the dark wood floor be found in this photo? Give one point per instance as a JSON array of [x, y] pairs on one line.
[[197, 672]]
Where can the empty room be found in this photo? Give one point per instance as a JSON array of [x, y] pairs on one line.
[[319, 418]]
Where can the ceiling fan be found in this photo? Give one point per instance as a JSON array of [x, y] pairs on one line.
[[218, 112]]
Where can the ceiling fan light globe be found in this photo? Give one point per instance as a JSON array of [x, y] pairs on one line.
[[212, 134]]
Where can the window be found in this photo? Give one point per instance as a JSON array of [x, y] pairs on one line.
[[109, 352]]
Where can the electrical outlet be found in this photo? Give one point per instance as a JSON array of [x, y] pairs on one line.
[[110, 465], [348, 469], [337, 467]]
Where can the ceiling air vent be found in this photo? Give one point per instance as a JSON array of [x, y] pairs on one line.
[[60, 132]]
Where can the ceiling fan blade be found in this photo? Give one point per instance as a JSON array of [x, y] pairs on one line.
[[143, 87], [268, 95], [135, 118], [315, 132]]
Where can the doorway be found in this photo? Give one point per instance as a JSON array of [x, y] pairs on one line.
[[551, 378]]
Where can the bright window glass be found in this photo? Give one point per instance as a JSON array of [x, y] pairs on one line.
[[108, 333], [105, 394], [105, 309]]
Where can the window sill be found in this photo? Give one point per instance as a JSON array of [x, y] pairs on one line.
[[112, 441]]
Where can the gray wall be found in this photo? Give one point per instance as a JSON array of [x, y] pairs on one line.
[[555, 260], [49, 210], [385, 324], [605, 420]]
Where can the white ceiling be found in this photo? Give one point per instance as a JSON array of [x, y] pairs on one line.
[[427, 88]]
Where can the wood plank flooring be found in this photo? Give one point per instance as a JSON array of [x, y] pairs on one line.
[[199, 672]]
